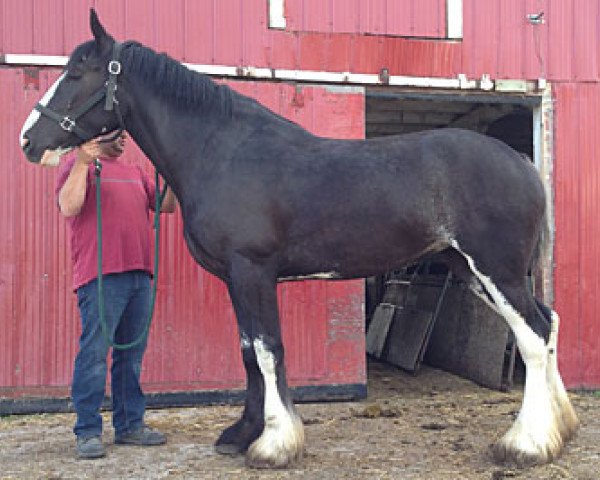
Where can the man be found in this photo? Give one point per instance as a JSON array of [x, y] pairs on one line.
[[127, 197]]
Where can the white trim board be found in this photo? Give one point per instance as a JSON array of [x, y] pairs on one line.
[[459, 83]]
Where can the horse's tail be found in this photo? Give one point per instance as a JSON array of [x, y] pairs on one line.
[[544, 241], [544, 236]]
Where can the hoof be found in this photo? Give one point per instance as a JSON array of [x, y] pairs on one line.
[[525, 452], [276, 448], [506, 455], [276, 458], [229, 449], [235, 439]]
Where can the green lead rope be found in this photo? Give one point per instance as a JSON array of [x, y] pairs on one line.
[[160, 195]]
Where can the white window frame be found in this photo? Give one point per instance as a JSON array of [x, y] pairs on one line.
[[277, 14], [454, 17]]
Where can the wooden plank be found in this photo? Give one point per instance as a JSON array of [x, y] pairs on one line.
[[469, 339], [407, 336], [379, 328]]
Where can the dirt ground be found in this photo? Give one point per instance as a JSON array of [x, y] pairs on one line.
[[433, 426]]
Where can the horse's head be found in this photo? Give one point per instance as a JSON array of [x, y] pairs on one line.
[[75, 108]]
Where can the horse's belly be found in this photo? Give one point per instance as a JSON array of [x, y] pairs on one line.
[[357, 255]]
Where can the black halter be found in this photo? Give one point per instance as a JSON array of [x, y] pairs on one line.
[[69, 122]]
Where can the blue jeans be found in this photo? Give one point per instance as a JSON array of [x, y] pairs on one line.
[[126, 309]]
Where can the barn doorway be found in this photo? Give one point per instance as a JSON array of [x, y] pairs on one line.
[[422, 313]]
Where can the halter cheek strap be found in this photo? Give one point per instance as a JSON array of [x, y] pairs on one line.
[[69, 122], [114, 70]]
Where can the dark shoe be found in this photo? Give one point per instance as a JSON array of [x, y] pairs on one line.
[[143, 435], [90, 447]]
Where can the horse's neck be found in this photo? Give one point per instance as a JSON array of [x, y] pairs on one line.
[[177, 146]]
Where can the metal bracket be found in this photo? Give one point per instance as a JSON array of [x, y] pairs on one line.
[[114, 67], [67, 124], [535, 18]]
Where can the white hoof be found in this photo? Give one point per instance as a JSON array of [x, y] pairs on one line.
[[279, 446], [523, 448]]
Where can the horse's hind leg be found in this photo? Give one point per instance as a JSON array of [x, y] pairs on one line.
[[563, 409], [270, 429], [546, 419]]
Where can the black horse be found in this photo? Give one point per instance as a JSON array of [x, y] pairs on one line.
[[265, 201]]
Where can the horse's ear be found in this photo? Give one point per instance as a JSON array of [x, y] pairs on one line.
[[102, 38]]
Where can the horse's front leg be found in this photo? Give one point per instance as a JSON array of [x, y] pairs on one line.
[[270, 430], [236, 439]]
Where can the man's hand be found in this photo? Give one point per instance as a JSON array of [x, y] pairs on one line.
[[88, 152], [101, 146]]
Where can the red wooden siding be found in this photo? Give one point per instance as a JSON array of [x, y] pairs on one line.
[[498, 40], [577, 249], [194, 342], [409, 18], [35, 299]]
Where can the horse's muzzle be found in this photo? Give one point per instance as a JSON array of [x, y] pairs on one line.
[[51, 158]]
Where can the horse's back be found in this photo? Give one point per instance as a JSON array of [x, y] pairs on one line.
[[437, 171], [417, 155]]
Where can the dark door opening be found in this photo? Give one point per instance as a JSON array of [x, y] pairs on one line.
[[435, 293]]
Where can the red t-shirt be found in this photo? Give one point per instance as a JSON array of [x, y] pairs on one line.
[[126, 195]]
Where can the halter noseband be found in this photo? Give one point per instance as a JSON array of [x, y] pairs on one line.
[[69, 122]]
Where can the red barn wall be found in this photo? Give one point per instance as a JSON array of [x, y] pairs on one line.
[[404, 36], [194, 343], [577, 247]]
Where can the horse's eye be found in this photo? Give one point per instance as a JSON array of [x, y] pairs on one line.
[[83, 58]]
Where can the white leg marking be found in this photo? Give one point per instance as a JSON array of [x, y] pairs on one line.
[[536, 435], [35, 115], [282, 440], [563, 410]]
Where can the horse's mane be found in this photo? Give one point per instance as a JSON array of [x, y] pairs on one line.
[[172, 80], [188, 89]]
